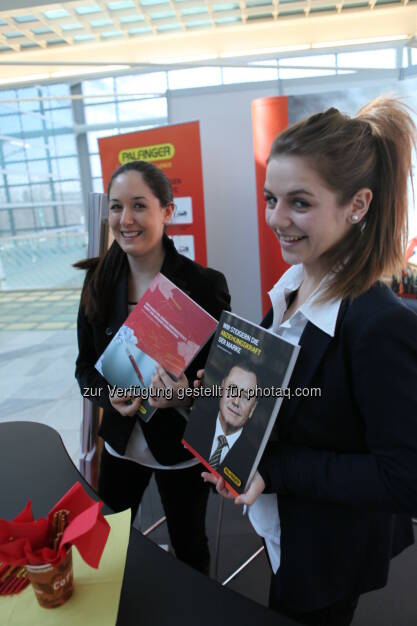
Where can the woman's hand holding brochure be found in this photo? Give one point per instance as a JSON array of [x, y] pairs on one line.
[[254, 490]]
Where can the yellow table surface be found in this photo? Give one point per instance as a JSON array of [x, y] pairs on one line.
[[95, 600]]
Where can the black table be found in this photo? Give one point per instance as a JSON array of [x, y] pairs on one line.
[[158, 590]]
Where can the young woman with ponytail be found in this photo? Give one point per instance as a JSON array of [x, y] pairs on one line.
[[140, 205], [342, 465]]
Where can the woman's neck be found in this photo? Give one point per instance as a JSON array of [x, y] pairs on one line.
[[143, 270], [310, 282]]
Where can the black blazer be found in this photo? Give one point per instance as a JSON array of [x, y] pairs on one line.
[[344, 465], [165, 429]]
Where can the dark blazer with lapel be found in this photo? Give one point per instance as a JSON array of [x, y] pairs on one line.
[[344, 465], [166, 427]]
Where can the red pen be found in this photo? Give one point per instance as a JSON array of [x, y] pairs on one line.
[[135, 366]]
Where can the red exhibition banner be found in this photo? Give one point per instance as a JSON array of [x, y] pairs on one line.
[[269, 117], [176, 149]]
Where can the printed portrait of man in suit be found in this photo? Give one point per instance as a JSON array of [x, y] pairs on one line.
[[236, 406]]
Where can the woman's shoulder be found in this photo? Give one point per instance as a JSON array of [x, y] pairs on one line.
[[177, 264], [208, 274], [205, 285], [379, 307]]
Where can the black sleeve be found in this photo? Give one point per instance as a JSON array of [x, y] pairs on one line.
[[217, 299], [92, 384], [384, 372]]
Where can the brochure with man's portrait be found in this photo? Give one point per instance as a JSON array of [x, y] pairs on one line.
[[245, 381]]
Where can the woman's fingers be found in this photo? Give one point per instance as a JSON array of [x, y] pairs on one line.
[[253, 492], [218, 483], [199, 379], [127, 405], [164, 379], [170, 392], [209, 478]]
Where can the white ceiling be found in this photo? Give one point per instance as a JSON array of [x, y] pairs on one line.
[[56, 40]]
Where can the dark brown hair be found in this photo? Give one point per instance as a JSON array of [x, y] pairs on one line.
[[155, 178], [104, 272], [371, 150]]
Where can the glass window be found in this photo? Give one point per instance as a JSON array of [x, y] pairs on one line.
[[62, 145], [13, 149], [56, 14], [36, 148], [59, 118], [152, 108], [99, 87], [129, 19], [98, 185], [68, 191], [55, 90], [31, 121], [9, 108], [4, 221], [248, 74], [269, 62], [95, 164], [93, 135], [148, 108], [30, 96], [194, 77], [315, 60], [66, 168], [7, 94], [121, 4], [128, 110], [287, 73], [368, 59], [17, 173], [38, 170], [20, 194], [88, 9], [101, 114], [41, 192], [24, 219], [11, 123], [152, 83]]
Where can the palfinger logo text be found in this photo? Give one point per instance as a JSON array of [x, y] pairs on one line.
[[157, 152]]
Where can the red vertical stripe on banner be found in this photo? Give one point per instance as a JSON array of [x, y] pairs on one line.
[[269, 117]]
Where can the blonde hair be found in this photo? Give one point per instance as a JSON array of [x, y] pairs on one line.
[[371, 150]]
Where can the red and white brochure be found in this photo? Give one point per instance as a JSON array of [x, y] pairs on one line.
[[166, 327]]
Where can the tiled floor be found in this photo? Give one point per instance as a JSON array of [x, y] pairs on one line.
[[39, 309], [37, 380]]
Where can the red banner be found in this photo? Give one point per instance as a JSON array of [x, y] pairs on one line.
[[269, 117], [175, 149]]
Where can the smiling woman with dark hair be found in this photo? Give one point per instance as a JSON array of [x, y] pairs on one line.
[[140, 206], [343, 465]]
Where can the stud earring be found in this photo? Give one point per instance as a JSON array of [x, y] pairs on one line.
[[355, 217]]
